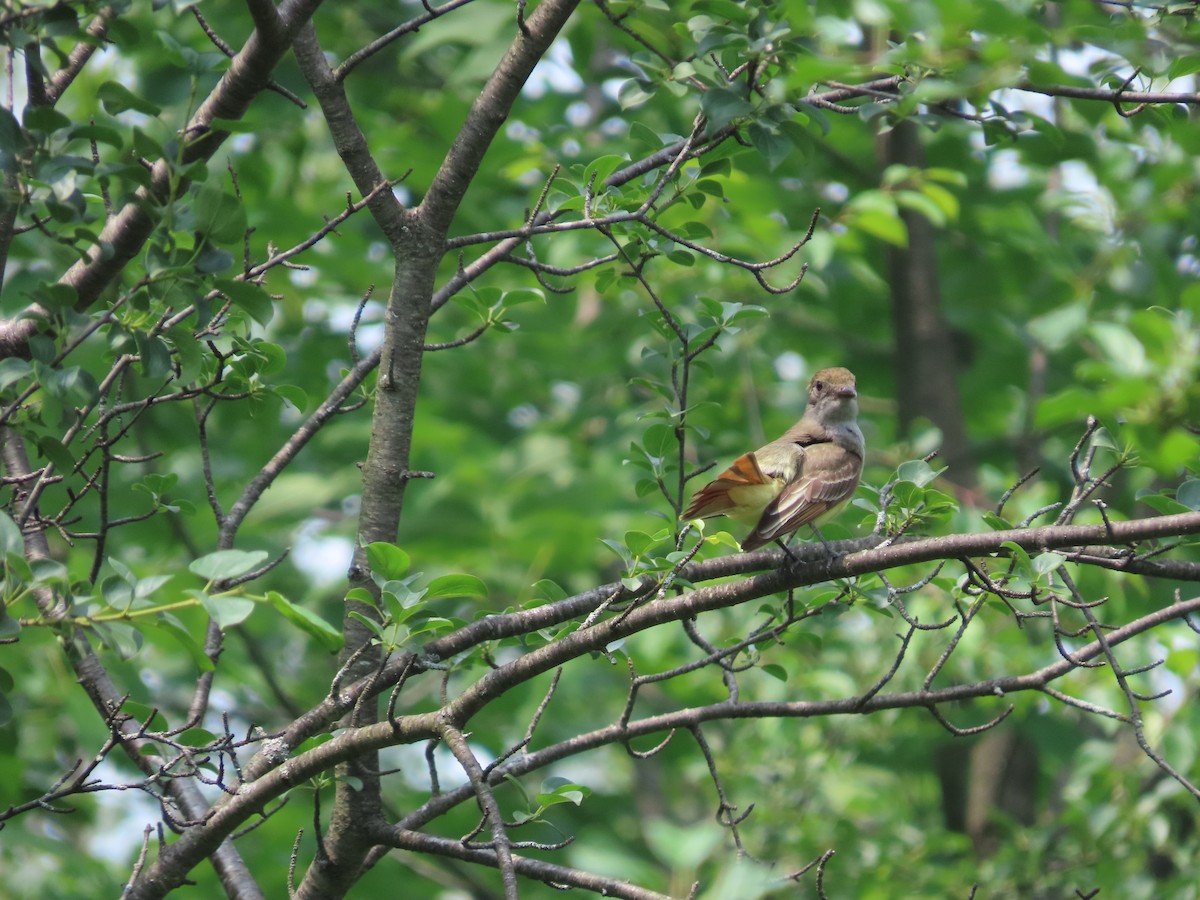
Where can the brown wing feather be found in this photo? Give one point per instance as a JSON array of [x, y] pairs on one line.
[[713, 499], [829, 478]]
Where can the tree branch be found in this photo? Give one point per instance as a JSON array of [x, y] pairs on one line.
[[549, 873], [1107, 95], [490, 110]]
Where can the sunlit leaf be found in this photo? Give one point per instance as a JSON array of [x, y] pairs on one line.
[[222, 565]]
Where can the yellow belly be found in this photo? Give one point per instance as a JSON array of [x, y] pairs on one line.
[[752, 499]]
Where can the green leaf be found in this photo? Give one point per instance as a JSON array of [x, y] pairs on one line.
[[223, 565], [1124, 351], [101, 134], [218, 214], [116, 592], [925, 206], [435, 625], [308, 622], [1018, 553], [120, 637], [10, 536], [361, 595], [1057, 328], [1045, 563], [402, 602], [634, 93], [776, 671], [918, 471], [12, 370], [1166, 506], [146, 147], [250, 297], [620, 549], [293, 394], [995, 522], [149, 716], [602, 168], [116, 99], [187, 353], [1068, 405], [557, 789], [9, 627], [212, 260], [197, 737], [510, 299], [944, 200], [456, 586], [179, 632], [56, 452], [773, 147], [1189, 494], [1185, 64], [14, 140], [722, 106], [550, 590], [387, 561], [45, 119], [659, 440], [574, 794], [48, 572], [885, 226], [374, 627], [226, 610], [645, 487], [638, 542], [723, 539], [154, 353]]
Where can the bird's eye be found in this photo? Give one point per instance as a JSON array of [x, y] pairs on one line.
[[818, 385]]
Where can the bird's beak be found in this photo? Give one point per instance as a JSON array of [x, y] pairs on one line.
[[848, 393]]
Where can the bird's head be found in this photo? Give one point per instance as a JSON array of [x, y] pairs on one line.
[[833, 396]]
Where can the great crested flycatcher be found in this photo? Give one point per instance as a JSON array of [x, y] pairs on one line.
[[810, 471]]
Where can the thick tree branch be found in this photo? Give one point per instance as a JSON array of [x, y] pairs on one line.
[[1108, 96], [815, 565], [692, 603], [490, 110], [96, 31], [548, 873], [729, 710], [348, 138], [502, 846], [385, 40]]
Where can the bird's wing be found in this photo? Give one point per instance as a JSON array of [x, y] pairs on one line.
[[828, 476], [805, 437], [714, 498]]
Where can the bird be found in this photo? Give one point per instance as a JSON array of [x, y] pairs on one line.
[[809, 472]]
